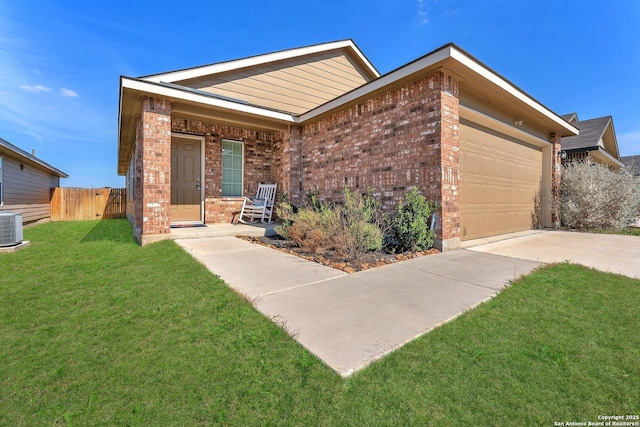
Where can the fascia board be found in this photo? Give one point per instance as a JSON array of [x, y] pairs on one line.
[[26, 157], [615, 138], [605, 153], [377, 84], [120, 101], [222, 67], [173, 93], [473, 65]]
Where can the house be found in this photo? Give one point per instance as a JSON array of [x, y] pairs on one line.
[[597, 141], [632, 163], [318, 118], [26, 183]]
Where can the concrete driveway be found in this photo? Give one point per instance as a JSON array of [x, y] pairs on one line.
[[349, 321], [611, 253]]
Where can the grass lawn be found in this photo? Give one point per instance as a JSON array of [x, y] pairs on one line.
[[95, 330], [631, 231]]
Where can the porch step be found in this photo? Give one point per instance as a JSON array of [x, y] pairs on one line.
[[224, 230]]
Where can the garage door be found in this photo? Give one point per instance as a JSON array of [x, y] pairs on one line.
[[499, 180]]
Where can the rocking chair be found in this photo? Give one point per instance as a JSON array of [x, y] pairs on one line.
[[260, 206]]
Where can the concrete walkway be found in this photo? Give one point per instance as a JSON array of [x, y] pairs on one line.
[[349, 321], [611, 253]]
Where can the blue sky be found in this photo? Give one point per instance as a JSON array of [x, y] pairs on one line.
[[60, 61]]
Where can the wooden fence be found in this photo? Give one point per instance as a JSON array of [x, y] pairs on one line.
[[78, 204]]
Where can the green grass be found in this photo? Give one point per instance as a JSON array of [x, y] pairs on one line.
[[631, 231], [95, 330]]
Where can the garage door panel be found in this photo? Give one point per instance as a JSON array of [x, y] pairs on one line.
[[499, 180]]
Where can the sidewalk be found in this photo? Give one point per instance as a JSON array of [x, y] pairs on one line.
[[349, 321]]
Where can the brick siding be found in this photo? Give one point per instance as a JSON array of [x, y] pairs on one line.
[[154, 163], [402, 139], [258, 164]]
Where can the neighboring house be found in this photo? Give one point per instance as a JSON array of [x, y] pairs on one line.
[[193, 142], [597, 140], [26, 183], [632, 163]]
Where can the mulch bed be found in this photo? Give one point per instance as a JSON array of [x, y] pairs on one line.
[[331, 259]]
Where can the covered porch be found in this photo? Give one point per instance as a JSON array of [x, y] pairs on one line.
[[185, 161], [216, 230]]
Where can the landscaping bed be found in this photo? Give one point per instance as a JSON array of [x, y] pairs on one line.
[[332, 259], [355, 233]]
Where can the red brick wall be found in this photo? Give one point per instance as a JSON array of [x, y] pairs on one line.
[[258, 163], [287, 165], [138, 178], [154, 145], [446, 88], [403, 139]]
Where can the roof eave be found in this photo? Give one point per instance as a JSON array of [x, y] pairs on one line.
[[566, 129], [431, 60], [173, 92], [136, 87], [23, 155], [378, 84], [220, 67], [600, 151]]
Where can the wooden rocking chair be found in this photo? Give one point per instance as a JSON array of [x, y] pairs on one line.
[[260, 206]]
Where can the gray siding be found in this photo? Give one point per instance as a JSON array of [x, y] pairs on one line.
[[27, 191]]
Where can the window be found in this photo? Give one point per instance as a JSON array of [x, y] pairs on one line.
[[232, 160]]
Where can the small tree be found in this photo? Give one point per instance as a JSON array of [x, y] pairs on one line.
[[594, 196], [411, 223]]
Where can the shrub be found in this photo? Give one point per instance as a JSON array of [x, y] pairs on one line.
[[347, 228], [593, 196], [411, 223], [309, 229], [355, 233]]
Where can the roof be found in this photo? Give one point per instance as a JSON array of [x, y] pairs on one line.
[[591, 131], [225, 66], [571, 117], [190, 101], [632, 163], [20, 153], [596, 135], [469, 71], [293, 81]]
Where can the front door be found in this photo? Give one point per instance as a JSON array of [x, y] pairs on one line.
[[185, 179]]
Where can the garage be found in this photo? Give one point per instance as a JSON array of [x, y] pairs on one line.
[[500, 180]]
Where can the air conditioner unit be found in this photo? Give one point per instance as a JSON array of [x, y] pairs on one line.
[[10, 229]]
